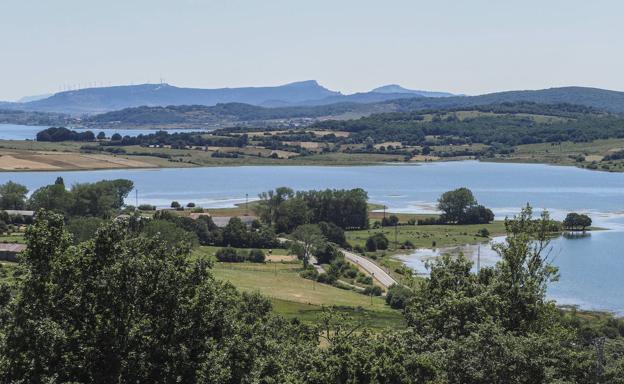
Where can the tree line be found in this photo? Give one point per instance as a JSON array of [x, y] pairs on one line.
[[286, 209]]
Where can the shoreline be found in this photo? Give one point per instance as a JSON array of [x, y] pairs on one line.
[[291, 163]]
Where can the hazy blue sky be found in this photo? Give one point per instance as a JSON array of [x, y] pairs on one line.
[[467, 46]]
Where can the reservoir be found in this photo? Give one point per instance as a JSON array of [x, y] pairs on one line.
[[591, 266]]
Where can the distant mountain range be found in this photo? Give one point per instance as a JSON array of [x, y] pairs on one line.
[[397, 89], [105, 99], [163, 103], [601, 99], [236, 113]]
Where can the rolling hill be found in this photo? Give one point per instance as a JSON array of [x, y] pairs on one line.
[[104, 99]]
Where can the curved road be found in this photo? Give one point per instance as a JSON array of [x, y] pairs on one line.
[[378, 274], [375, 270]]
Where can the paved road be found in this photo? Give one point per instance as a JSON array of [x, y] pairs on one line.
[[378, 274]]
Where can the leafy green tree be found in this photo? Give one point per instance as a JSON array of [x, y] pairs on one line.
[[377, 241], [169, 232], [577, 221], [83, 228], [454, 204], [328, 253], [235, 233], [267, 207], [51, 197], [525, 271], [12, 195], [101, 135], [333, 233], [291, 214], [99, 199], [398, 296], [308, 240], [175, 204]]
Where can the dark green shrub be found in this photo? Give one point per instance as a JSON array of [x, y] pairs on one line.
[[229, 255], [257, 256], [398, 296], [374, 290]]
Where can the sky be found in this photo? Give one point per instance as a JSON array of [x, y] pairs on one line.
[[462, 46]]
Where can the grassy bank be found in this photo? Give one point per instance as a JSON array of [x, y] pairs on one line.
[[294, 296]]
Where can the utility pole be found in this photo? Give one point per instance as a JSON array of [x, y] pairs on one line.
[[246, 204], [384, 208]]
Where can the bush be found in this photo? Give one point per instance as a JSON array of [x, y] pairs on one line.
[[326, 278], [328, 253], [398, 296], [256, 256], [430, 221], [365, 280], [147, 207], [229, 255], [373, 290], [407, 244], [377, 241], [190, 205], [483, 232], [351, 272], [359, 249], [309, 273], [390, 221], [175, 204]]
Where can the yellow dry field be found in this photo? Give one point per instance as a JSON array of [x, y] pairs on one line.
[[424, 158], [329, 132], [305, 144], [44, 161], [280, 258], [284, 154], [594, 158]]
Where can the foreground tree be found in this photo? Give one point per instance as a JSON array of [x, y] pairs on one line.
[[124, 308], [497, 326]]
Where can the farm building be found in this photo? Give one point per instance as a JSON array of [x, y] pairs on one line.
[[9, 251]]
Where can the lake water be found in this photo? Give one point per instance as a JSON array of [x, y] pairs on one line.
[[29, 132], [591, 267]]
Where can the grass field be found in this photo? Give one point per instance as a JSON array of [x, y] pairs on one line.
[[567, 153], [12, 238], [424, 236], [294, 296]]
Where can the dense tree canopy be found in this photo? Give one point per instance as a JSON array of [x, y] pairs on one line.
[[64, 134], [286, 210], [575, 221], [460, 206], [12, 195]]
